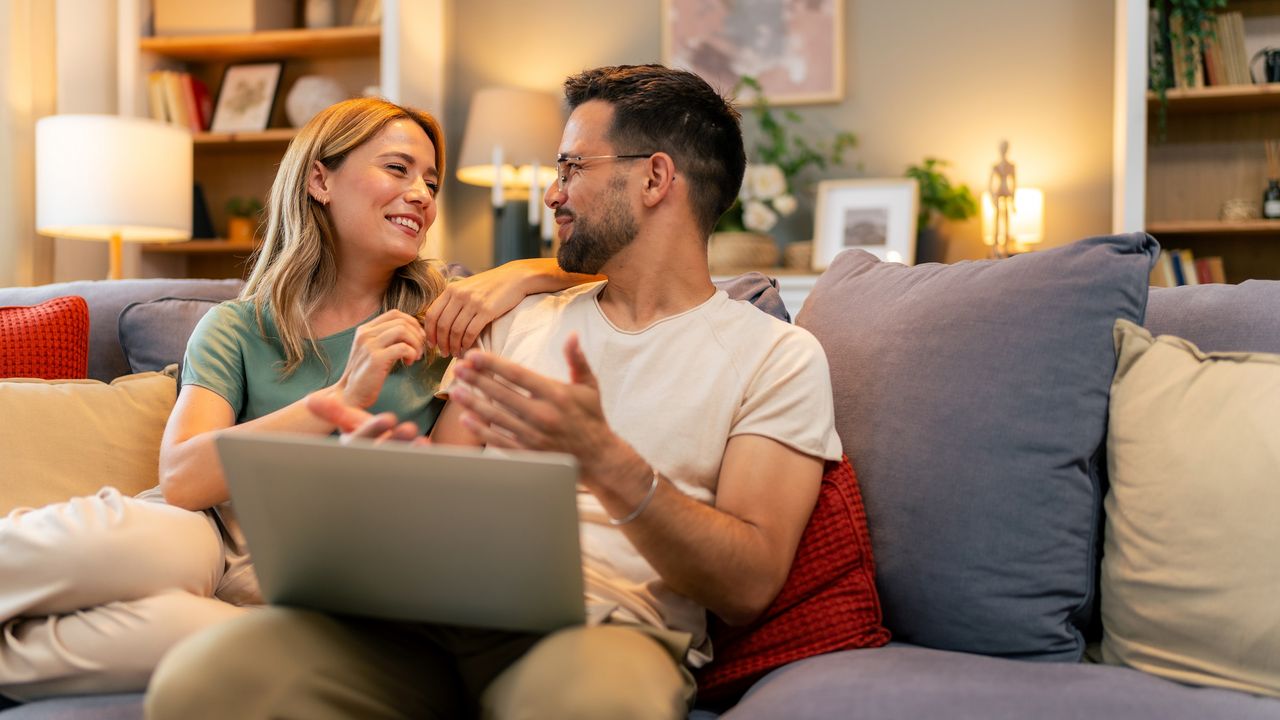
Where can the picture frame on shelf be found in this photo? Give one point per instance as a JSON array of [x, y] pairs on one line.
[[876, 215], [246, 97], [795, 50]]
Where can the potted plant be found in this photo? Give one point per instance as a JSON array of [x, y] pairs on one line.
[[939, 198], [242, 219], [768, 187]]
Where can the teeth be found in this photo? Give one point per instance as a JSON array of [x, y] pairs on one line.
[[407, 223]]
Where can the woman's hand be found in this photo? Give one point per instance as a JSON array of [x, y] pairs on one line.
[[392, 337], [467, 306]]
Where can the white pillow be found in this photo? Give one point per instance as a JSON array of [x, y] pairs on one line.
[[1191, 565], [64, 438]]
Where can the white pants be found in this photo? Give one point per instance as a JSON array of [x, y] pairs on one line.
[[95, 590]]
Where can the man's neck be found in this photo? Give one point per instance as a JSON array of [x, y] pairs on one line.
[[655, 278]]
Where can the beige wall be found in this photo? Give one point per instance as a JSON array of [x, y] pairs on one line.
[[923, 77]]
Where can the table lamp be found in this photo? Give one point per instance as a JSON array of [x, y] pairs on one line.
[[510, 146], [111, 178], [1026, 222]]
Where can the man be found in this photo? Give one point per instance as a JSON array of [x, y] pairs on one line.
[[700, 425]]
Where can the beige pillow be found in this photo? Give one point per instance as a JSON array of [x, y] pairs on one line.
[[1191, 570], [63, 438]]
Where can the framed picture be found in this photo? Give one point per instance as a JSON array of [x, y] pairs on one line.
[[246, 97], [794, 48], [878, 216]]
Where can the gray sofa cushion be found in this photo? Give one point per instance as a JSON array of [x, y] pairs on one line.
[[1219, 318], [106, 298], [972, 401], [900, 682], [154, 334]]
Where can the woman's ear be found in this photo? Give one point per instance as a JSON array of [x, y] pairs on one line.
[[318, 183]]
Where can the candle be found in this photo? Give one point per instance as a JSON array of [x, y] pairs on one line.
[[497, 197], [548, 222], [534, 215]]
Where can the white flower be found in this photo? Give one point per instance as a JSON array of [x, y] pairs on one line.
[[765, 181], [785, 204], [757, 216]]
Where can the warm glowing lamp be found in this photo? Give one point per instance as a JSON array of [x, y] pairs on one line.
[[1026, 220], [510, 146], [114, 179]]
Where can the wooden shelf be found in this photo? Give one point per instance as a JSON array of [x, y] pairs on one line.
[[1214, 227], [1220, 98], [274, 44], [270, 136], [200, 247]]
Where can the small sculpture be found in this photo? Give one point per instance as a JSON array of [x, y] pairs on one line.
[[1003, 187]]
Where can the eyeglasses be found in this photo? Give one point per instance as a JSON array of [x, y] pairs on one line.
[[568, 166]]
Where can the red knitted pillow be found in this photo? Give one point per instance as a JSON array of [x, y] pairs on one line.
[[49, 341], [828, 602]]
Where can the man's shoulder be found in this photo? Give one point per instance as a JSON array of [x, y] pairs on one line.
[[741, 320], [556, 302]]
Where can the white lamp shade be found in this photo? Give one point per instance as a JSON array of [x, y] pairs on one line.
[[1026, 218], [525, 124], [100, 175]]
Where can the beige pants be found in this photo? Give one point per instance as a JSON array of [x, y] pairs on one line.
[[94, 591], [284, 663]]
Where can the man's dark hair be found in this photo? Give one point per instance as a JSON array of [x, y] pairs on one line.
[[658, 109]]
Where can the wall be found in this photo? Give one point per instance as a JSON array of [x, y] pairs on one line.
[[26, 86], [922, 78]]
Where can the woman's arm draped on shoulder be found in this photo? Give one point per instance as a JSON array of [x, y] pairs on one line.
[[467, 306]]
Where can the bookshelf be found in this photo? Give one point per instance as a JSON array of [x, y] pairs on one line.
[[1212, 152], [403, 57]]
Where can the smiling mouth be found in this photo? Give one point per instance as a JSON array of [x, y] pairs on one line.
[[406, 222]]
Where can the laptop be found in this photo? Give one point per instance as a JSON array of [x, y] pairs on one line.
[[456, 536]]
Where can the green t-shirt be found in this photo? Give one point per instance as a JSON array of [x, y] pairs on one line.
[[228, 355]]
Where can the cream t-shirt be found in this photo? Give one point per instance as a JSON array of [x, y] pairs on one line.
[[676, 391]]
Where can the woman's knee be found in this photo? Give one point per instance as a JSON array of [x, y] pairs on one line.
[[108, 532]]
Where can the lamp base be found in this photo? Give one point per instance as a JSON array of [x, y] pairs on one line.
[[115, 257], [513, 237]]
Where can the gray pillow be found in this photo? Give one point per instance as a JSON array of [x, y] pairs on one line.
[[1219, 318], [154, 334], [972, 401]]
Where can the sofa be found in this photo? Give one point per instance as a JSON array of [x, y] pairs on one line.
[[975, 402]]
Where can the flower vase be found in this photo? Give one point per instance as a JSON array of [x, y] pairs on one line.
[[737, 251], [240, 230]]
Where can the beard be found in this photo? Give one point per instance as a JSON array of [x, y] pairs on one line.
[[594, 242]]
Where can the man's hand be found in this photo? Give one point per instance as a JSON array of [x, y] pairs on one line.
[[518, 408], [392, 337], [356, 422]]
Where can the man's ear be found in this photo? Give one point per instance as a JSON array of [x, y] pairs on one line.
[[318, 183], [660, 179]]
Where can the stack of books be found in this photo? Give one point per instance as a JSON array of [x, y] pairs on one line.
[[181, 99], [1222, 60], [1180, 267]]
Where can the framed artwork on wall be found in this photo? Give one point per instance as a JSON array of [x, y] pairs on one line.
[[246, 97], [876, 215], [794, 48]]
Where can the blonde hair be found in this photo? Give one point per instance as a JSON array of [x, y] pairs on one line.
[[295, 267]]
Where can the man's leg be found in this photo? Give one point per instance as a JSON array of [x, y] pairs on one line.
[[608, 671], [285, 663]]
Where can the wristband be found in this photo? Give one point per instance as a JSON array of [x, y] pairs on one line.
[[653, 488]]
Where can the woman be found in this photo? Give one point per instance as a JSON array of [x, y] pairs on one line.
[[108, 583]]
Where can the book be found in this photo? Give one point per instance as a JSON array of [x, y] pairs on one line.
[[1162, 274], [1187, 265], [189, 100], [175, 101], [155, 96], [204, 102], [1217, 273]]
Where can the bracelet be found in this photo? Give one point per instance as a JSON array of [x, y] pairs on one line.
[[653, 488]]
